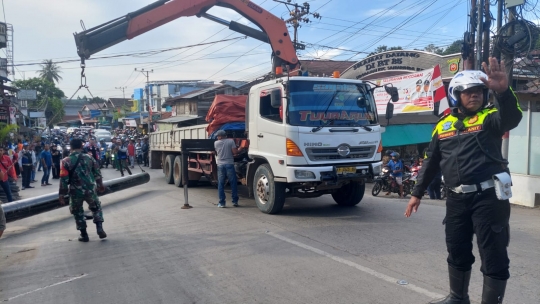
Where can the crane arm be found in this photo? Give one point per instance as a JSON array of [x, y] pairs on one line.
[[160, 12]]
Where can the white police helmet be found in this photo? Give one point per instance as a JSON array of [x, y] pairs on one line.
[[465, 80]]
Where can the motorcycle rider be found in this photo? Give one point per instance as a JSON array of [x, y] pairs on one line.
[[466, 147], [396, 169]]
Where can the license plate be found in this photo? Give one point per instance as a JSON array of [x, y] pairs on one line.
[[346, 170]]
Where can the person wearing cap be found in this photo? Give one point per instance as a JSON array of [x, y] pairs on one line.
[[27, 159], [466, 147], [225, 151], [417, 91], [425, 91]]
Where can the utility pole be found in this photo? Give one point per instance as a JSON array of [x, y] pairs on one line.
[[123, 91], [298, 14], [469, 39], [146, 74], [479, 31], [496, 51]]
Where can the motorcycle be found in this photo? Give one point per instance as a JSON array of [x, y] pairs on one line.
[[384, 182]]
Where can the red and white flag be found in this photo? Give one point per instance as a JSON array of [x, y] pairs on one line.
[[439, 92]]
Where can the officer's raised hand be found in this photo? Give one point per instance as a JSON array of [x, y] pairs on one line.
[[497, 79], [413, 205]]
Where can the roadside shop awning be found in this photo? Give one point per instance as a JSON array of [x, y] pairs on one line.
[[410, 134]]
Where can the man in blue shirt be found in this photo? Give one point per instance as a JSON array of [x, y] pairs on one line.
[[46, 161], [396, 169]]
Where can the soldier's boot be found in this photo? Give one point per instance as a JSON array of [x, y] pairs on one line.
[[84, 236], [100, 231], [493, 291], [459, 287]]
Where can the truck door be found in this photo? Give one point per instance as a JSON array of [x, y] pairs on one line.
[[271, 142]]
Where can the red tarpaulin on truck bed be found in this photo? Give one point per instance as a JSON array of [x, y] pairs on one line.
[[225, 109]]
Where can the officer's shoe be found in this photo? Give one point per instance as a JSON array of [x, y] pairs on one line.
[[100, 231], [493, 291], [459, 287], [84, 236]]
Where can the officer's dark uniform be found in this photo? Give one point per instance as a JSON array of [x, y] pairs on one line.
[[455, 149]]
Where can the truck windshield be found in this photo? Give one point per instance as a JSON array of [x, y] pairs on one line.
[[316, 103]]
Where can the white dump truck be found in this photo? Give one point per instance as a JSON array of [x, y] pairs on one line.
[[305, 137]]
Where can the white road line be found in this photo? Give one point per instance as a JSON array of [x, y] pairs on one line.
[[367, 270], [55, 284]]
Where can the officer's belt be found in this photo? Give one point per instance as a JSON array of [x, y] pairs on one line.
[[474, 188]]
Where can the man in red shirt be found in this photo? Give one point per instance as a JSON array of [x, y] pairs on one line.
[[131, 153], [6, 166]]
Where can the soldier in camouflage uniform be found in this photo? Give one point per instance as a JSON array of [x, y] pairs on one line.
[[82, 187]]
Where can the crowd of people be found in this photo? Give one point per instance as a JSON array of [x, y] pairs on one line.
[[26, 157]]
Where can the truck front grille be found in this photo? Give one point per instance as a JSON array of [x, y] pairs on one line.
[[320, 154]]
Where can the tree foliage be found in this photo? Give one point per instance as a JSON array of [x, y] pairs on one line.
[[48, 97], [384, 48], [453, 48], [5, 129], [50, 71]]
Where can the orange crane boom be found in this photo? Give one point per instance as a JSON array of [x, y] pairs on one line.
[[274, 30]]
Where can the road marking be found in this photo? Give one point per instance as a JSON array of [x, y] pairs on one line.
[[367, 270], [55, 284]]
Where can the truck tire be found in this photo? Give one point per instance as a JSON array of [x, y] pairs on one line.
[[177, 171], [350, 194], [269, 195], [168, 169]]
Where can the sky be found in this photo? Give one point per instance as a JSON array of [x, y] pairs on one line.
[[348, 30]]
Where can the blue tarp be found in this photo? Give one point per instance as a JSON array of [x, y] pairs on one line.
[[232, 126]]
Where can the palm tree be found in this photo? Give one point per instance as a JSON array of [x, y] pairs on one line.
[[50, 71]]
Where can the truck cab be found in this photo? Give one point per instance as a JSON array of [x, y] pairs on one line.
[[311, 136]]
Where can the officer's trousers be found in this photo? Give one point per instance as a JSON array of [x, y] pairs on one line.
[[487, 217], [76, 201]]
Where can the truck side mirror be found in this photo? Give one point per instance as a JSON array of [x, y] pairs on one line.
[[361, 102], [389, 110], [275, 98], [393, 92]]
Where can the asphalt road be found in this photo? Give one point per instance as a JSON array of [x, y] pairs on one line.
[[313, 252]]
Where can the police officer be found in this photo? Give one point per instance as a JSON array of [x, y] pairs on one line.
[[79, 174], [466, 146]]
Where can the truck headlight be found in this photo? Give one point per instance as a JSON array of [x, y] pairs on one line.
[[302, 174]]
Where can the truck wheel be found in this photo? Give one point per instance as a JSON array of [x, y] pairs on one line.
[[376, 189], [269, 195], [177, 171], [168, 169], [350, 194]]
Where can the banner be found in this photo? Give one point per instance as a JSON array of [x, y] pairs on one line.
[[130, 123], [421, 91]]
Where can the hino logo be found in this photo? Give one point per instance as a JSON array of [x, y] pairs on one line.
[[319, 144]]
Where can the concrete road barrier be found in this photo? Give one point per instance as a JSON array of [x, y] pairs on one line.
[[31, 206]]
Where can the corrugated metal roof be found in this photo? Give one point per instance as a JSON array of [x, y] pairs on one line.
[[198, 92]]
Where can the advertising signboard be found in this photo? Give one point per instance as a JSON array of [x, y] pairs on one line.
[[27, 94], [130, 123], [419, 92]]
